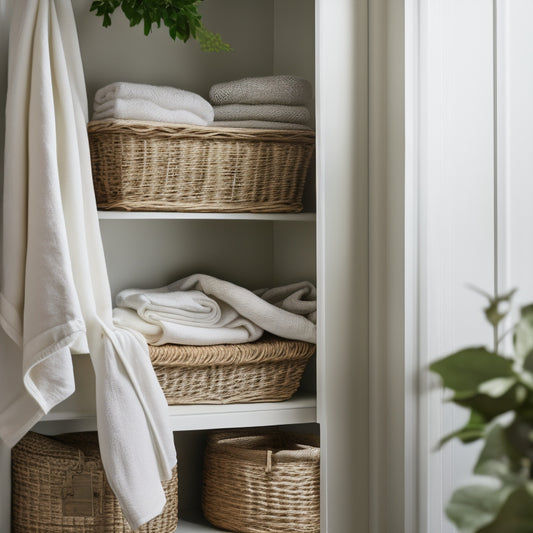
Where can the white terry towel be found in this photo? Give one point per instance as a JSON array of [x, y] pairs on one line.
[[281, 89], [269, 112], [137, 109], [55, 296], [153, 102], [260, 125], [241, 309]]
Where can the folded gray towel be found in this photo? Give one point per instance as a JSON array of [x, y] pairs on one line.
[[269, 112], [260, 124], [282, 89]]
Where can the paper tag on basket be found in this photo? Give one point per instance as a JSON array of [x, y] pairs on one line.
[[78, 497]]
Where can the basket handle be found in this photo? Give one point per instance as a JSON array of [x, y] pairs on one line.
[[268, 467]]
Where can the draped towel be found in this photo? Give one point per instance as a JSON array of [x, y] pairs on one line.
[[55, 298]]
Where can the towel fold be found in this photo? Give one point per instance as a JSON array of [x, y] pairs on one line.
[[138, 109], [260, 125], [282, 89], [267, 112], [170, 98], [243, 314]]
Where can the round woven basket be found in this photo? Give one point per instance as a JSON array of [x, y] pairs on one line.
[[265, 482], [147, 166], [267, 370], [59, 486]]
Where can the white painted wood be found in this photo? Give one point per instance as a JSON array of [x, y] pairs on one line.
[[301, 409], [151, 215], [456, 224], [342, 269], [391, 487]]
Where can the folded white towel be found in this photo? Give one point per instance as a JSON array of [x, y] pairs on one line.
[[269, 112], [260, 125], [243, 314], [299, 298], [170, 98], [138, 109], [282, 89]]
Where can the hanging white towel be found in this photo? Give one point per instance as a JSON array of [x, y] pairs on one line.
[[55, 295], [243, 313]]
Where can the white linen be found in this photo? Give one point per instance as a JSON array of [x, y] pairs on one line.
[[280, 89], [296, 114], [170, 98], [243, 314], [55, 296], [138, 109]]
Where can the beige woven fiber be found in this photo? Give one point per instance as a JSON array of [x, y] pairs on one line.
[[265, 482], [266, 370], [147, 166], [59, 486]]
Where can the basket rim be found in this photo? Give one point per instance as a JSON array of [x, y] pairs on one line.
[[170, 130], [267, 349]]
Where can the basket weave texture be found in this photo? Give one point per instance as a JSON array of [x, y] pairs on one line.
[[266, 370], [147, 166], [59, 486], [262, 482]]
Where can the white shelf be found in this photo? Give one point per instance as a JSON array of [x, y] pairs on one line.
[[301, 409], [193, 527], [153, 215]]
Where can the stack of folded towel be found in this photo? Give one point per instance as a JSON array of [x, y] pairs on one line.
[[202, 310], [137, 101], [272, 102]]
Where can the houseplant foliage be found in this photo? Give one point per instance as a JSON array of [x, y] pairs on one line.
[[181, 17], [498, 392]]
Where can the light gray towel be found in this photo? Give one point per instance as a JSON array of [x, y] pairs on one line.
[[170, 98], [269, 112], [282, 89], [260, 124], [138, 109]]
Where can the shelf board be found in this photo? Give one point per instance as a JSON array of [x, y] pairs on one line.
[[165, 215], [193, 527], [301, 409]]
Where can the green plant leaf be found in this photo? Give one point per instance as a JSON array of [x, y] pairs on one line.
[[467, 369], [498, 457], [489, 406], [474, 506], [523, 334], [497, 387], [514, 516], [494, 312], [473, 430]]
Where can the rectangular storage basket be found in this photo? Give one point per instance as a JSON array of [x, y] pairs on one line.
[[144, 166], [266, 370], [262, 482], [59, 486]]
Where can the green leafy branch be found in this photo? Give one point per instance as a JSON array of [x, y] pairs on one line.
[[181, 17], [490, 385]]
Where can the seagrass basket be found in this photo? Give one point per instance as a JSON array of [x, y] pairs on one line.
[[147, 166], [59, 486], [262, 482], [267, 370]]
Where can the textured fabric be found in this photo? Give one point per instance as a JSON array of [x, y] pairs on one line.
[[138, 109], [242, 315], [55, 297], [260, 125], [282, 89], [267, 112]]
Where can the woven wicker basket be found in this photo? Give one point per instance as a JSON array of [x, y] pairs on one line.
[[266, 370], [59, 486], [262, 482], [146, 166]]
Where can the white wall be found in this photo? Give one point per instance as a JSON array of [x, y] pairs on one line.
[[472, 229]]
